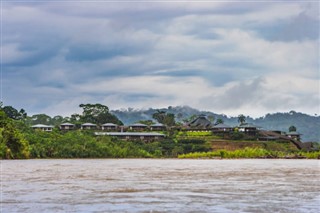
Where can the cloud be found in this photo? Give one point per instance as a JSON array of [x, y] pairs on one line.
[[250, 58]]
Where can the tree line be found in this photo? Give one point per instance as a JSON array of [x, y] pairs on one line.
[[19, 141]]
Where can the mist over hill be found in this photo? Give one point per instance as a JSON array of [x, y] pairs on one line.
[[307, 125]]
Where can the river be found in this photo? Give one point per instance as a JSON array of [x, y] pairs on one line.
[[160, 185]]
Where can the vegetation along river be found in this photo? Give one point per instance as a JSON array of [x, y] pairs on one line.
[[160, 185]]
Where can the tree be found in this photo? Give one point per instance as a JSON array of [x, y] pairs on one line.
[[41, 119], [169, 119], [146, 122], [75, 117], [219, 121], [14, 113], [98, 114], [241, 119], [159, 116], [12, 142], [292, 129], [179, 116], [164, 118]]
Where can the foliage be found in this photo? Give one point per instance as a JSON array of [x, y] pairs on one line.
[[82, 144], [219, 121], [13, 145], [164, 118], [236, 135], [146, 122], [14, 113], [40, 119], [194, 145], [251, 153], [198, 133], [194, 133], [292, 129], [241, 119], [97, 114]]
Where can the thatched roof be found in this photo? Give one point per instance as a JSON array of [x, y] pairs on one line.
[[200, 122]]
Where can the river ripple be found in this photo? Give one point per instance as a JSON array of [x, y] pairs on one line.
[[168, 185]]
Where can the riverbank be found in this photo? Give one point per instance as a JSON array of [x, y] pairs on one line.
[[252, 153]]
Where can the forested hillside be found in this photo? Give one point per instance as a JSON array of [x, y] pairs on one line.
[[307, 125]]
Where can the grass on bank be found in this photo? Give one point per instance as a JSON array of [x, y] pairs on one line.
[[251, 153]]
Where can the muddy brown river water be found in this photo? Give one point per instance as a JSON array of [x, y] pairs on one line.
[[160, 185]]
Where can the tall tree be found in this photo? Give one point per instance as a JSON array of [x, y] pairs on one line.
[[159, 116], [14, 113], [98, 114], [241, 119], [164, 118]]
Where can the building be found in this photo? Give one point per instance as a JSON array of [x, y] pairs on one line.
[[221, 128], [88, 126], [138, 127], [248, 128], [144, 136], [109, 127], [158, 127], [294, 135], [200, 123], [42, 127], [67, 126]]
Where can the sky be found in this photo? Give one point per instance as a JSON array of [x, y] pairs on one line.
[[230, 57]]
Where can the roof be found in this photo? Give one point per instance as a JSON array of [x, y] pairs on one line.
[[157, 125], [41, 126], [220, 126], [249, 125], [201, 122], [130, 134], [109, 124], [139, 124], [293, 133], [66, 124], [88, 124]]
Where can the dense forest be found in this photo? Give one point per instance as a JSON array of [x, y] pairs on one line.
[[18, 140]]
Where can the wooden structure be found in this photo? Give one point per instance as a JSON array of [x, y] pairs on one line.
[[221, 128], [88, 126], [138, 127], [109, 127], [67, 126], [158, 127], [42, 127], [144, 136], [294, 135]]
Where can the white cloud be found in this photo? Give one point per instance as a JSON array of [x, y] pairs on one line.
[[212, 56]]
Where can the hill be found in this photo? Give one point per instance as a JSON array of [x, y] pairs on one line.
[[307, 125]]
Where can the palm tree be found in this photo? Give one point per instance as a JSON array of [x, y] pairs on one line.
[[241, 119]]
